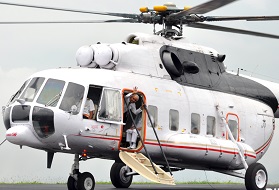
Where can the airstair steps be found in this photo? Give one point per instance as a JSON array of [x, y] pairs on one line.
[[141, 164]]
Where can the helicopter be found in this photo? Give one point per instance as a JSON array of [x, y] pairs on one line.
[[162, 67]]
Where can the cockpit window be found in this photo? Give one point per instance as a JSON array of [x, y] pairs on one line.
[[32, 89], [16, 95], [51, 92], [43, 121], [72, 98]]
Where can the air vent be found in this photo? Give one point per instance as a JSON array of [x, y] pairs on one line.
[[172, 64], [212, 57]]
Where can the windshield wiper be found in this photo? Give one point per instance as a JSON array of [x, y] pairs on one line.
[[53, 101]]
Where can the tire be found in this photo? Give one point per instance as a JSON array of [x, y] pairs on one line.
[[118, 175], [86, 181], [72, 183], [256, 177]]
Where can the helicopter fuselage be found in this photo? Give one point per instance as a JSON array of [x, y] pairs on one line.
[[46, 113]]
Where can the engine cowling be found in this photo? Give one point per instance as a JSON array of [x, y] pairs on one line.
[[102, 55]]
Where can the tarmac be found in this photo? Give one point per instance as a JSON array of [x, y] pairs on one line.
[[132, 187]]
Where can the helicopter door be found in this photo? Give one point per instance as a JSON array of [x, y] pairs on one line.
[[134, 121], [110, 107], [233, 123]]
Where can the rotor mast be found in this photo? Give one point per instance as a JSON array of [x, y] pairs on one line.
[[160, 15]]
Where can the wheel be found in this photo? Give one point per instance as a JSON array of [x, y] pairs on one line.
[[256, 177], [72, 183], [85, 181], [118, 175]]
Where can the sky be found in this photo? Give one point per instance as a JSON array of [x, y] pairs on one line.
[[25, 49]]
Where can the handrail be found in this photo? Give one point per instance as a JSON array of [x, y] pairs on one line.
[[153, 127], [233, 139], [140, 137]]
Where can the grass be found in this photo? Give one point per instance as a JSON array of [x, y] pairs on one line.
[[21, 183]]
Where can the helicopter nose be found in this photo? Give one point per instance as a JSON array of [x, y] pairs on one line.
[[22, 135]]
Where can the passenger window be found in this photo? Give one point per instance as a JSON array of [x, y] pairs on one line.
[[153, 111], [174, 120], [233, 125], [211, 125], [51, 92], [73, 98], [110, 106], [195, 123], [32, 89]]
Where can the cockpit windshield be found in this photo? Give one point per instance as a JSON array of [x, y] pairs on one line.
[[32, 89], [16, 95], [72, 98], [51, 92]]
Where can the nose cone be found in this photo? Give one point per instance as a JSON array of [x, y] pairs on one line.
[[22, 135]]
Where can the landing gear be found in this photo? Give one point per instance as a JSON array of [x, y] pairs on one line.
[[80, 181], [118, 175], [256, 177], [85, 181], [72, 183]]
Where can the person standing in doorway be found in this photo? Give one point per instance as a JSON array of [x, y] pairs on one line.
[[130, 104]]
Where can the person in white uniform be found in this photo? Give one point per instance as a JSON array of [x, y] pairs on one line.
[[131, 134], [89, 109]]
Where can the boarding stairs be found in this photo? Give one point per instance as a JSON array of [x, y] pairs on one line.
[[144, 165], [141, 164]]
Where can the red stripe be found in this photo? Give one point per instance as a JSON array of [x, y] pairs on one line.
[[174, 146], [266, 144], [98, 137], [253, 156], [198, 148]]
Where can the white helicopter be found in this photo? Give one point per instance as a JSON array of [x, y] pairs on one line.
[[195, 114]]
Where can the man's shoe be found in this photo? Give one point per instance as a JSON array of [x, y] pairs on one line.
[[133, 146]]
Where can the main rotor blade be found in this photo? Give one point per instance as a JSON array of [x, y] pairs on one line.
[[3, 142], [72, 22], [247, 18], [124, 15], [202, 8], [232, 30]]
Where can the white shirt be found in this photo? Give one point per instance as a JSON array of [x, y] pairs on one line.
[[132, 106], [89, 106]]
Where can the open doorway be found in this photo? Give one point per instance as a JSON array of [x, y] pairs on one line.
[[94, 95], [134, 120]]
